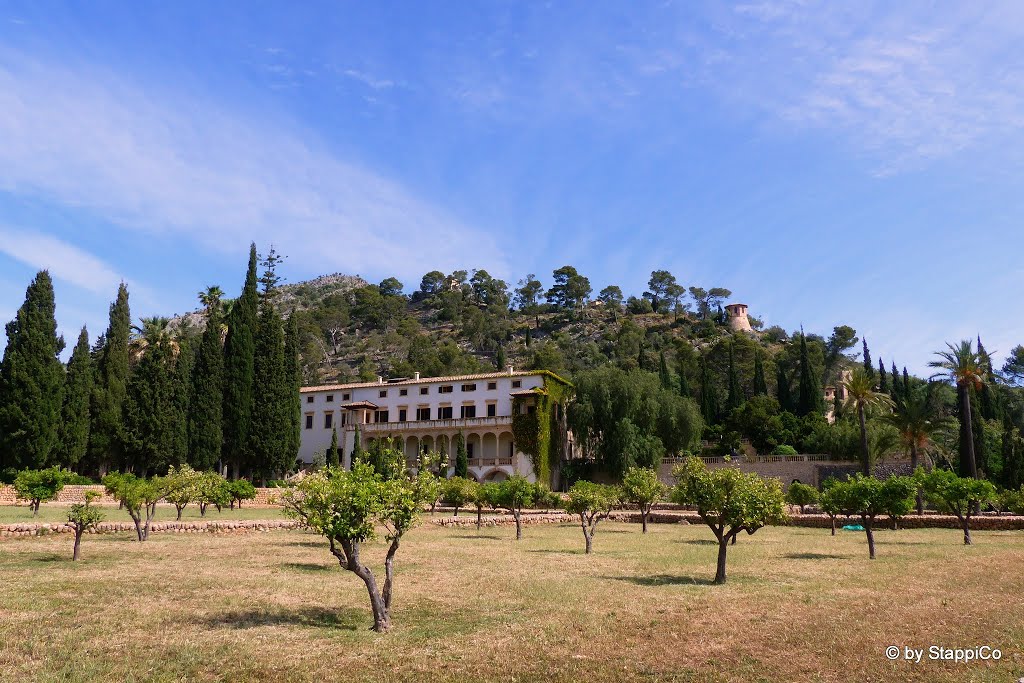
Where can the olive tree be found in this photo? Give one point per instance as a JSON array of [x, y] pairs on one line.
[[515, 493], [801, 495], [592, 502], [84, 516], [870, 497], [39, 486], [347, 505], [959, 496], [138, 497], [642, 487], [728, 501]]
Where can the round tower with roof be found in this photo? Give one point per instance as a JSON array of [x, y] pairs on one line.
[[737, 314]]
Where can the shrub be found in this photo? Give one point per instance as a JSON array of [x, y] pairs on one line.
[[801, 495], [784, 449]]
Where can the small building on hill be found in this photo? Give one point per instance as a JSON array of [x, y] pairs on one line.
[[513, 422]]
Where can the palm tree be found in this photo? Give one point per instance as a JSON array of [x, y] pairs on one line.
[[210, 297], [914, 420], [962, 366], [154, 330], [861, 394]]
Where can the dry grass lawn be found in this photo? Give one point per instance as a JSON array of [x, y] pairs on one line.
[[799, 606]]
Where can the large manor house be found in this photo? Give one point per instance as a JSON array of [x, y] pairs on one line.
[[426, 414]]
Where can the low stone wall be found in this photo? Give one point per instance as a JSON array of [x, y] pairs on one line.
[[221, 526], [265, 497], [506, 520], [811, 472]]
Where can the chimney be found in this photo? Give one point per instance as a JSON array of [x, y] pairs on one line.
[[416, 376], [510, 369]]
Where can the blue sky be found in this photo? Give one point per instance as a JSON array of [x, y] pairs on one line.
[[830, 163]]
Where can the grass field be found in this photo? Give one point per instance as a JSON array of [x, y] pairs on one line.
[[799, 606], [57, 512]]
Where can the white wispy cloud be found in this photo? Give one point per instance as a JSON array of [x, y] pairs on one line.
[[64, 261], [178, 166]]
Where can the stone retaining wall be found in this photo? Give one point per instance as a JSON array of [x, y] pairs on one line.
[[74, 493], [221, 526]]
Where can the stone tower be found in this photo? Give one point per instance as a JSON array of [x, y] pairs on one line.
[[737, 314]]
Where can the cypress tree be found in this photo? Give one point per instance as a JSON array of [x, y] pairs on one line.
[[181, 399], [868, 367], [149, 412], [883, 380], [810, 397], [987, 399], [461, 456], [1013, 456], [499, 358], [906, 382], [270, 430], [735, 397], [106, 431], [898, 391], [332, 452], [74, 421], [978, 434], [527, 337], [684, 384], [239, 358], [357, 446], [205, 416], [783, 392], [293, 371], [708, 394], [663, 373], [31, 381], [640, 356], [760, 384]]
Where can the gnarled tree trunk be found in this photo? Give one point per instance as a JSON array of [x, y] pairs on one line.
[[78, 542], [348, 558]]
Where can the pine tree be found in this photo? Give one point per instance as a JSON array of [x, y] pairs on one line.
[[239, 358], [106, 430], [205, 417], [735, 396], [664, 375], [31, 381], [293, 371], [332, 453], [760, 384], [868, 367], [810, 397], [783, 393], [708, 394], [74, 421], [270, 431], [461, 456], [883, 380]]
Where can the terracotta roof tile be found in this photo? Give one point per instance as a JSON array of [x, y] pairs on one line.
[[428, 380]]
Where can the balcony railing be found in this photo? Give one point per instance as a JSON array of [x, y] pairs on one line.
[[453, 423], [489, 462]]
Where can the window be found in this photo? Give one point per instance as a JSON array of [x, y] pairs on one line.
[[380, 416], [423, 413], [468, 411], [345, 397], [383, 393], [330, 398], [328, 420], [344, 419], [491, 386], [492, 409], [309, 421], [516, 383], [469, 387], [403, 414], [444, 413], [309, 399], [530, 410], [424, 391], [403, 392], [445, 389]]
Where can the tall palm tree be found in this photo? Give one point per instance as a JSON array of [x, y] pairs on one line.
[[962, 366], [154, 330], [913, 419], [861, 394], [210, 297]]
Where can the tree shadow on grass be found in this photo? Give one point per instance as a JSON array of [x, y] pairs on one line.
[[816, 556], [699, 541], [483, 537], [664, 580], [309, 566], [553, 551], [313, 617], [321, 543], [47, 559]]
